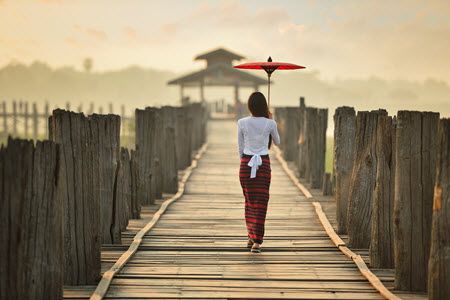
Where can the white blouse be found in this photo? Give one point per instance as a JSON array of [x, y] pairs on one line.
[[253, 139]]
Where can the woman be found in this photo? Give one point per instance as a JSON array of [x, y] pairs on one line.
[[255, 134]]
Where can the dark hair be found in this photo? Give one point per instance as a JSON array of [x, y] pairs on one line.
[[257, 105]]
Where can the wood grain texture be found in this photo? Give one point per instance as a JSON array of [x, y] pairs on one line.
[[416, 151], [145, 136], [105, 132], [439, 262], [362, 181], [343, 158], [77, 192], [31, 237], [382, 229]]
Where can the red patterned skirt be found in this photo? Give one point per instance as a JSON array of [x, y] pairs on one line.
[[256, 193]]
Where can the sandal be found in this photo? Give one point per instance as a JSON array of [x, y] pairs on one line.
[[256, 249], [249, 243]]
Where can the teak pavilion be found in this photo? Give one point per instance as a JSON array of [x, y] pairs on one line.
[[219, 71]]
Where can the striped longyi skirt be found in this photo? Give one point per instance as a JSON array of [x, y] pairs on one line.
[[256, 193]]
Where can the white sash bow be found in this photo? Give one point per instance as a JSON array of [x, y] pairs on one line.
[[254, 163]]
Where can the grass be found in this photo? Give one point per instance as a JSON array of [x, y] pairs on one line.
[[329, 155]]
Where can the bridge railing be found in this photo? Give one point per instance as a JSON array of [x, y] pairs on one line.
[[303, 131], [391, 186], [62, 199], [389, 183]]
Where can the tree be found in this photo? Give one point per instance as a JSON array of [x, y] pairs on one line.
[[87, 64]]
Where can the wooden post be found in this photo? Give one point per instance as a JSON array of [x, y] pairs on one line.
[[122, 196], [327, 189], [158, 148], [26, 119], [31, 237], [439, 262], [14, 117], [416, 141], [318, 149], [105, 131], [5, 118], [135, 207], [145, 135], [182, 134], [171, 176], [35, 121], [68, 106], [363, 179], [291, 133], [78, 191], [382, 229], [169, 155], [80, 107], [46, 119], [110, 108], [344, 151]]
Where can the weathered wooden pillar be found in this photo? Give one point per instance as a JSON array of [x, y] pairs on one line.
[[170, 162], [31, 236], [344, 151], [169, 158], [14, 118], [439, 262], [302, 146], [5, 117], [105, 130], [26, 117], [181, 138], [318, 148], [77, 190], [291, 133], [416, 149], [327, 188], [382, 228], [122, 196], [363, 179], [135, 207], [158, 150], [35, 121], [145, 136]]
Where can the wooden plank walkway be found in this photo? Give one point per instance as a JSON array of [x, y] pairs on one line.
[[197, 250]]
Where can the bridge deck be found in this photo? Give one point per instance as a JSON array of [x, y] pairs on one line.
[[198, 247]]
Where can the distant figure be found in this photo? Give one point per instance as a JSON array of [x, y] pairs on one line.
[[255, 135]]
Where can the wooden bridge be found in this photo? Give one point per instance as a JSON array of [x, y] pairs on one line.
[[197, 249], [188, 241]]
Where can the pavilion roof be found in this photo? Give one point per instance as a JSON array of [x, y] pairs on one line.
[[219, 75], [219, 52]]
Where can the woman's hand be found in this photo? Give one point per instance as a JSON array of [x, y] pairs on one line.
[[270, 115]]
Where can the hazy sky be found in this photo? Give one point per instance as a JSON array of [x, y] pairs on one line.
[[390, 39]]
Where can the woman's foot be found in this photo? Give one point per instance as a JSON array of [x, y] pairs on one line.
[[256, 248], [249, 243]]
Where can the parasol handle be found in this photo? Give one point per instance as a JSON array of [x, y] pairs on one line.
[[268, 90]]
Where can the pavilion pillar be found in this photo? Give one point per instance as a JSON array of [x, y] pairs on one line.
[[236, 93], [202, 92], [181, 92]]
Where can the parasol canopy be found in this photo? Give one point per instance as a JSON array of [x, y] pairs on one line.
[[269, 66]]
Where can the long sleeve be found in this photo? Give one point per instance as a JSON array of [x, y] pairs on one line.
[[274, 133], [240, 140]]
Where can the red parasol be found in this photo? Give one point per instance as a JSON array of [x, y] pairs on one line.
[[269, 66]]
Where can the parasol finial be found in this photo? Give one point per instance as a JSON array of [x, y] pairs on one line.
[[269, 59]]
